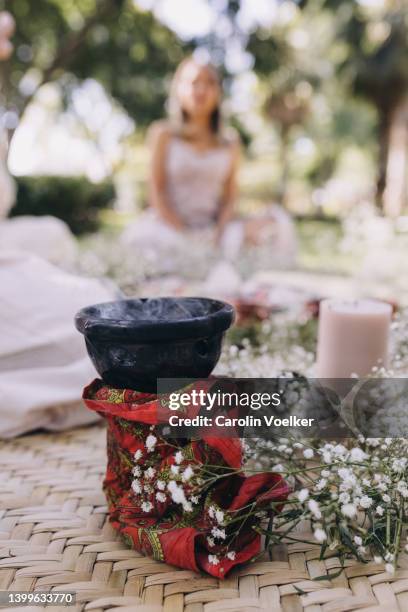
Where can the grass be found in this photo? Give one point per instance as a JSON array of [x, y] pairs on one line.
[[319, 242], [320, 246]]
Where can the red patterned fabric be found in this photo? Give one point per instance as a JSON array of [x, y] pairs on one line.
[[165, 531]]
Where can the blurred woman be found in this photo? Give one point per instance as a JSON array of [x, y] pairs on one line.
[[193, 178]]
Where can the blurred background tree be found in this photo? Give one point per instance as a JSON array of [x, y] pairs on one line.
[[376, 67], [124, 48], [288, 91], [317, 89]]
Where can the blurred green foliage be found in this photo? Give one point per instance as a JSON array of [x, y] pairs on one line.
[[75, 200], [126, 49], [353, 50], [330, 72]]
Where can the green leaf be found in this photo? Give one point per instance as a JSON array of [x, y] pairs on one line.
[[329, 576]]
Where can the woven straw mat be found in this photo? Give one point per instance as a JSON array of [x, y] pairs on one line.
[[55, 535]]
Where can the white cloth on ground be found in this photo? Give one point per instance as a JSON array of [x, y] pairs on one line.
[[45, 236], [43, 360]]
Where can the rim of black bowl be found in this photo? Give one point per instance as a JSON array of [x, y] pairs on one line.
[[91, 326]]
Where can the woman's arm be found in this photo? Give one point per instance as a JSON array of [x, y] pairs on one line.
[[230, 192], [158, 137]]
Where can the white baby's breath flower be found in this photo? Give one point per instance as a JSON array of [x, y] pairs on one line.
[[379, 510], [187, 474], [219, 517], [327, 457], [177, 492], [178, 496], [320, 535], [339, 450], [358, 540], [151, 441], [160, 496], [213, 559], [349, 510], [216, 532], [161, 485], [150, 473], [137, 471], [344, 473], [174, 469], [302, 495], [136, 487], [402, 488], [231, 555], [178, 457], [348, 479], [314, 508], [344, 497], [366, 502], [138, 455], [210, 541], [358, 455], [399, 464], [308, 453], [278, 468], [147, 506]]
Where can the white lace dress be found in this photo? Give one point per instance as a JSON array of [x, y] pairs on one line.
[[195, 182]]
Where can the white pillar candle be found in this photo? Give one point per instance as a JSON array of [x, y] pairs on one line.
[[353, 337]]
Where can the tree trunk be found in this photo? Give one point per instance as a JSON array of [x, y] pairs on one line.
[[384, 134], [395, 193], [284, 178]]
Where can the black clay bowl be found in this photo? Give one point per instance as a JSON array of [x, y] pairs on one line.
[[134, 342]]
